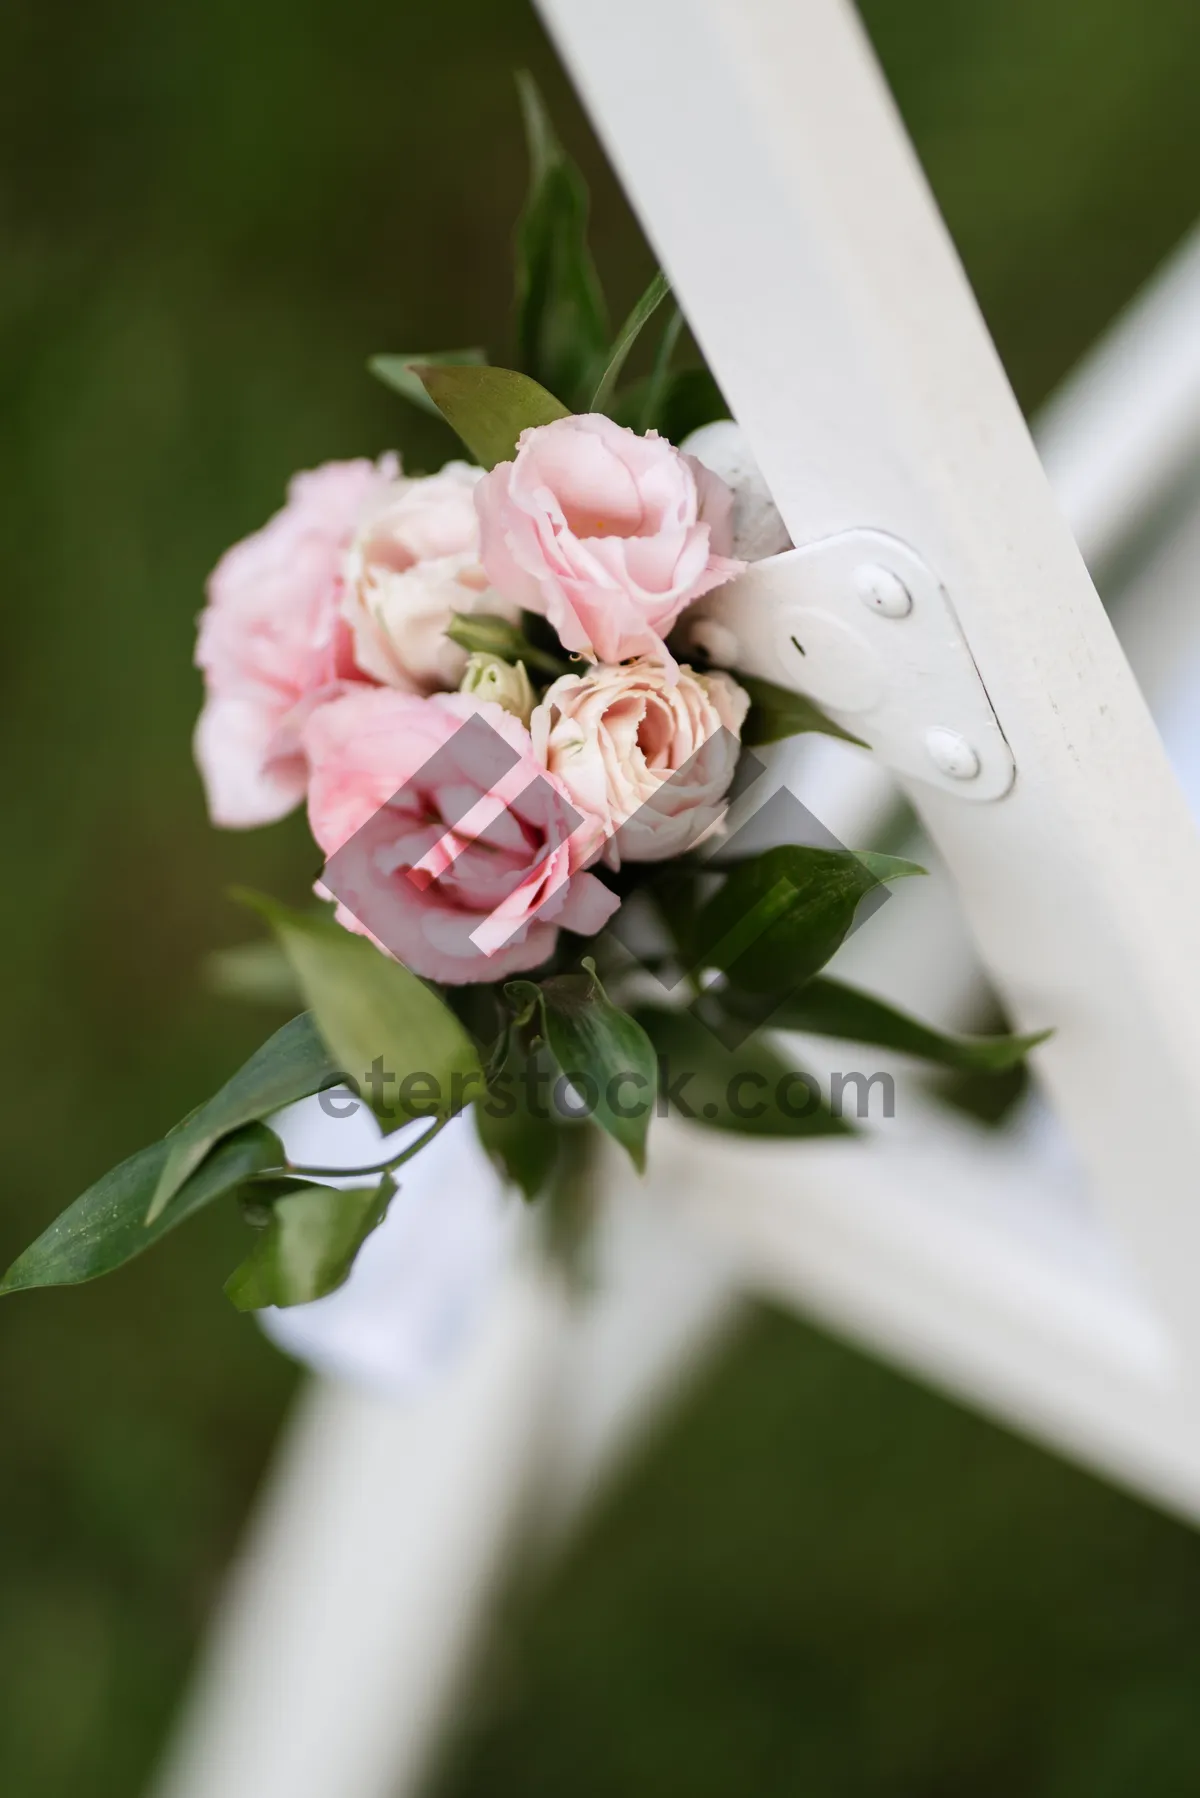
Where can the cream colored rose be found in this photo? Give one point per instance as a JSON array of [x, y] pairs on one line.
[[653, 761], [414, 561], [488, 677]]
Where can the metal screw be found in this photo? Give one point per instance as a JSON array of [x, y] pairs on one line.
[[882, 591], [950, 753]]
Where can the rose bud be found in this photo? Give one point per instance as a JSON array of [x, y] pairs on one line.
[[489, 677]]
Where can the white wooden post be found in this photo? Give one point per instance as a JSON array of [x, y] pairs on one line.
[[355, 1603], [771, 172], [360, 1591]]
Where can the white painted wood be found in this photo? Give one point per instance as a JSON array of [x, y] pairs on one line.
[[357, 1599], [978, 1268], [901, 684], [758, 140], [661, 1300], [1117, 436], [361, 1592]]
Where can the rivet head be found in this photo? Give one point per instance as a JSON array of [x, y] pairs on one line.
[[950, 753], [882, 591]]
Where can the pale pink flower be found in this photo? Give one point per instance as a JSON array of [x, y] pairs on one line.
[[272, 644], [653, 758], [414, 562], [447, 842], [607, 533]]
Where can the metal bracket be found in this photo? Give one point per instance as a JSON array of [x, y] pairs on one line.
[[860, 624]]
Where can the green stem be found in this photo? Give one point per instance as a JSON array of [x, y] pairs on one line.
[[653, 297], [349, 1173], [656, 386]]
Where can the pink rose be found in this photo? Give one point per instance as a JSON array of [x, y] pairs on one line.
[[650, 757], [414, 561], [460, 855], [608, 534], [272, 644]]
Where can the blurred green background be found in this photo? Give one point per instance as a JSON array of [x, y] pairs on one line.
[[823, 1579]]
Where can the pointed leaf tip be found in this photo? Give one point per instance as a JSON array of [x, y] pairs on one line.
[[398, 371], [489, 407]]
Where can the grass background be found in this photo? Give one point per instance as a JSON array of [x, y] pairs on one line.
[[823, 1579]]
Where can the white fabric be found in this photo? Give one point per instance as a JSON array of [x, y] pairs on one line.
[[422, 1280]]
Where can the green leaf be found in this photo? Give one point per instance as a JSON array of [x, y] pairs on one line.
[[515, 1122], [399, 373], [369, 1008], [780, 915], [627, 336], [561, 323], [826, 1007], [489, 407], [749, 1090], [483, 633], [257, 972], [777, 712], [658, 383], [106, 1226], [308, 1245], [290, 1065], [604, 1053]]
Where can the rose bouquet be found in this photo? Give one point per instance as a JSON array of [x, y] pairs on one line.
[[492, 690]]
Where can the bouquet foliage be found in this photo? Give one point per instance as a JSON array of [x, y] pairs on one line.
[[493, 689]]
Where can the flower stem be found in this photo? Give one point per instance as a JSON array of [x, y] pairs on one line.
[[349, 1173]]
